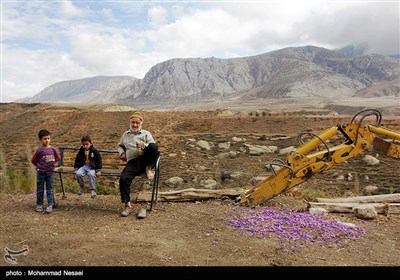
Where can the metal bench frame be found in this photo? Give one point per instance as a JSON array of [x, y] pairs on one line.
[[109, 170]]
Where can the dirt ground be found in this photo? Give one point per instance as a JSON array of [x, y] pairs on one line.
[[87, 232]]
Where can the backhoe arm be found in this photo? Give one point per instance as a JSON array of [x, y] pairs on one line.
[[385, 147], [302, 164]]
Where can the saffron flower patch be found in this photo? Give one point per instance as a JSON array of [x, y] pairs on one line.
[[292, 228]]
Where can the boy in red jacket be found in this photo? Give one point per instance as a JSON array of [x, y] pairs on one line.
[[44, 158]]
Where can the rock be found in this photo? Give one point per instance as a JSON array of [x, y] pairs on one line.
[[287, 150], [318, 211], [370, 160], [204, 145], [174, 182], [371, 190], [365, 212]]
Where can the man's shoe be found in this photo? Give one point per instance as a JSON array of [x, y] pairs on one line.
[[142, 213], [39, 209], [127, 210], [94, 194], [49, 209], [80, 191]]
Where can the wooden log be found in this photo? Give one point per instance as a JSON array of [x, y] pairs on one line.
[[383, 198], [393, 208], [190, 195], [332, 207]]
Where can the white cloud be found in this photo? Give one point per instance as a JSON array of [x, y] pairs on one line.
[[107, 54], [29, 72], [157, 16], [68, 9], [106, 12]]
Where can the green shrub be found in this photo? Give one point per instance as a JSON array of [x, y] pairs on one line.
[[24, 183]]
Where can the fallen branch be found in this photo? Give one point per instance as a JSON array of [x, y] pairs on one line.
[[189, 195], [343, 207], [332, 207], [383, 198]]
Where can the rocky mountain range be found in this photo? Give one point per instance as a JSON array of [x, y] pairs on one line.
[[84, 90], [294, 72]]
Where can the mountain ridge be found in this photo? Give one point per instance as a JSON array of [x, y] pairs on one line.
[[293, 72]]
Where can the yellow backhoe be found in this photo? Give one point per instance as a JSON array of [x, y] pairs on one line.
[[314, 156]]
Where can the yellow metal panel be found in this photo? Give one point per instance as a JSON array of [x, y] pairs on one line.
[[394, 151]]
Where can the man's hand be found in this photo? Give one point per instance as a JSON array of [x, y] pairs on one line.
[[139, 145]]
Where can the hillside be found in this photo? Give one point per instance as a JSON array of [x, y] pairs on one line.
[[177, 133]]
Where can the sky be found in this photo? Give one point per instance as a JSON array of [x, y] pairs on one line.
[[46, 42]]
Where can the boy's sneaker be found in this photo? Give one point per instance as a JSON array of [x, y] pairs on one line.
[[94, 194], [39, 209], [80, 191], [49, 209]]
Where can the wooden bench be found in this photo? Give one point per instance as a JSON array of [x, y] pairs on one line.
[[112, 166]]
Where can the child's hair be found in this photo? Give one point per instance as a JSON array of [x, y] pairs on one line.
[[86, 138], [42, 133]]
